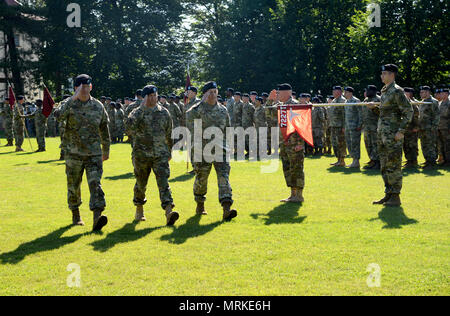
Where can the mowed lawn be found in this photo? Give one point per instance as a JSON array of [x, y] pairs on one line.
[[322, 247]]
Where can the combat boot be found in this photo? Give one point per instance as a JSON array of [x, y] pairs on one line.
[[429, 165], [228, 214], [140, 216], [76, 218], [201, 209], [411, 164], [298, 196], [355, 164], [100, 221], [18, 149], [340, 163], [289, 199], [394, 201], [383, 200], [370, 165], [10, 144], [440, 160], [171, 216], [377, 165]]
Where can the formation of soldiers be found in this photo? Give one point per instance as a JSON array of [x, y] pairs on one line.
[[391, 123]]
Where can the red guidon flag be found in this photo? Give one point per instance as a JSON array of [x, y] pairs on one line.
[[47, 103], [12, 97], [296, 118]]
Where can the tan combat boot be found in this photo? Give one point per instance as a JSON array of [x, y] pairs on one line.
[[383, 200], [289, 199], [201, 209], [355, 164], [228, 214], [171, 216], [76, 218], [298, 198], [99, 222], [140, 216], [394, 201]]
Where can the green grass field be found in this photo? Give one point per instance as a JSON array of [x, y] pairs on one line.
[[322, 247]]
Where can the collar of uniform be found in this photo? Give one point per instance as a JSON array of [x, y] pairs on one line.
[[386, 88]]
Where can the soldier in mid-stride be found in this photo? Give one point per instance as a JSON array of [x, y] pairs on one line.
[[86, 145], [396, 113]]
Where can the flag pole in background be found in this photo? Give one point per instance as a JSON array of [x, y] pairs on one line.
[[188, 84]]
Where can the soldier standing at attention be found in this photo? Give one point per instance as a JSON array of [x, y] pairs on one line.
[[151, 127], [353, 127], [211, 114], [292, 152], [395, 115], [19, 124], [247, 120], [428, 124], [411, 142], [337, 123], [120, 123], [444, 127], [259, 117], [370, 123], [111, 110], [86, 145], [328, 144], [318, 120], [192, 97], [7, 115], [40, 121]]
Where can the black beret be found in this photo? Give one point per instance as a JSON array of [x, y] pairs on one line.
[[177, 97], [38, 101], [208, 86], [305, 95], [330, 97], [20, 97], [103, 98], [260, 99], [219, 99], [149, 90], [238, 93], [163, 96], [109, 98], [285, 87], [193, 89], [113, 104], [445, 90], [316, 99], [372, 88], [265, 94], [349, 89], [246, 95], [337, 88], [230, 90], [139, 92], [425, 88], [254, 93], [390, 68], [7, 99], [172, 97], [82, 79], [410, 90], [294, 93]]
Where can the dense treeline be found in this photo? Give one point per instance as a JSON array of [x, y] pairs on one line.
[[246, 44]]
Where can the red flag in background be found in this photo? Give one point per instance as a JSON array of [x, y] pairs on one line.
[[296, 119], [47, 103], [12, 97], [188, 84]]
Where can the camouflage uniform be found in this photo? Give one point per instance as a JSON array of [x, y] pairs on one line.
[[395, 115], [292, 157], [259, 117], [132, 107], [40, 121], [248, 110], [271, 119], [120, 124], [370, 123], [7, 115], [327, 129], [444, 129], [86, 137], [18, 125], [353, 127], [151, 129], [51, 126], [429, 124], [191, 103], [237, 113], [337, 124], [318, 120], [411, 142], [175, 113], [230, 106], [211, 116], [112, 121]]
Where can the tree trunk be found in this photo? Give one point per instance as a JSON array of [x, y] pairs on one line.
[[14, 62]]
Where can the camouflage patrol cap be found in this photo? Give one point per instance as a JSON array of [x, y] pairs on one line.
[[390, 67], [82, 79], [148, 90]]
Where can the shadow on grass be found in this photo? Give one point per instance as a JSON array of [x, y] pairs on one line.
[[127, 233], [48, 242], [394, 217], [126, 176], [26, 153], [50, 161], [10, 152], [191, 229], [343, 170], [182, 178], [283, 214]]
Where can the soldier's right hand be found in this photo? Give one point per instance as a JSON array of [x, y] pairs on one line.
[[77, 93]]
